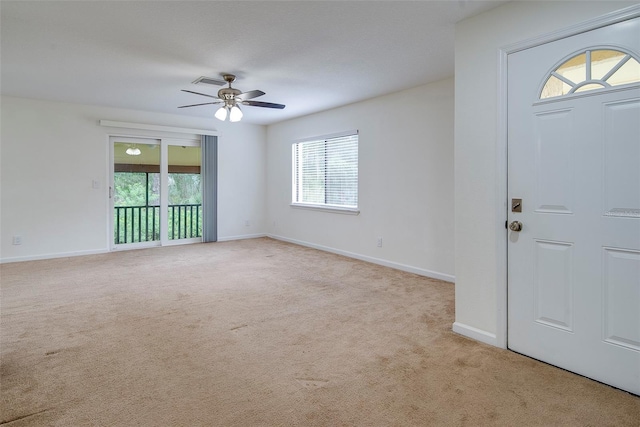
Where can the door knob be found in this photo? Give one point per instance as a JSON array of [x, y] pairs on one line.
[[515, 226]]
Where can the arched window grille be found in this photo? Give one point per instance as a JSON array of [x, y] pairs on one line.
[[592, 69]]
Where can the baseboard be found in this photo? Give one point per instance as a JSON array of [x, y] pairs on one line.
[[475, 333], [397, 266], [383, 262], [52, 256], [104, 251], [240, 237]]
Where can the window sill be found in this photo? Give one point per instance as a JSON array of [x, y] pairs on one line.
[[332, 209]]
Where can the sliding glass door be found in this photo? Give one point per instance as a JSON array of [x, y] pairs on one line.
[[184, 211], [156, 192], [135, 191]]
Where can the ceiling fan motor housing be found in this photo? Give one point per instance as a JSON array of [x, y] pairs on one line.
[[228, 94]]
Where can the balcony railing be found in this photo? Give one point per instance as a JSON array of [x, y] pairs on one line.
[[135, 224]]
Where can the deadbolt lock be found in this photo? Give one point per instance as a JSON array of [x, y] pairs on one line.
[[516, 205]]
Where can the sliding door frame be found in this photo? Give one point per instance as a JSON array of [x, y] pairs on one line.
[[163, 144]]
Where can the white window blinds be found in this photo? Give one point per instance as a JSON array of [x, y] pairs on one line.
[[325, 172]]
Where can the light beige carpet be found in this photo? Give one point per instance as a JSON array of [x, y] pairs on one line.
[[263, 333]]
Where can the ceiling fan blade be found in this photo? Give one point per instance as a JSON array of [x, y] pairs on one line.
[[196, 105], [263, 104], [198, 93], [251, 94]]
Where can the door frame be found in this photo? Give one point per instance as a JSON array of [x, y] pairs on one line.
[[163, 144], [502, 147]]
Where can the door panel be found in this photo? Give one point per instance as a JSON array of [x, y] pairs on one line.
[[553, 282], [574, 160], [184, 210], [621, 154], [554, 161], [620, 297], [136, 191]]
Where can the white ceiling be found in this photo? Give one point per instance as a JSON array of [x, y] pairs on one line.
[[309, 55]]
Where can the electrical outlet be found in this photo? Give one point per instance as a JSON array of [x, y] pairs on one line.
[[247, 223], [17, 240], [379, 242]]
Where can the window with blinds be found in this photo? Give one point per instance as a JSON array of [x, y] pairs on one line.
[[325, 172]]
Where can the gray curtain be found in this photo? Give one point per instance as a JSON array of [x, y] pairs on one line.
[[209, 188]]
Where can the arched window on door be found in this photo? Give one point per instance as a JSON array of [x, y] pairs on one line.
[[592, 69]]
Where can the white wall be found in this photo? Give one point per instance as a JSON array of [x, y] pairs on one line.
[[405, 181], [51, 153], [479, 219]]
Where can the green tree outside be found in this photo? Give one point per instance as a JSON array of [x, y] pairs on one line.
[[137, 211]]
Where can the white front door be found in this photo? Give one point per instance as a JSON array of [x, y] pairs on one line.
[[574, 161]]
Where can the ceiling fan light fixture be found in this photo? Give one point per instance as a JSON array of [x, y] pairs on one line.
[[133, 151], [221, 114], [235, 114], [231, 98]]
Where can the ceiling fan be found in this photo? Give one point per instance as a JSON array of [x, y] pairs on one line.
[[231, 99]]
